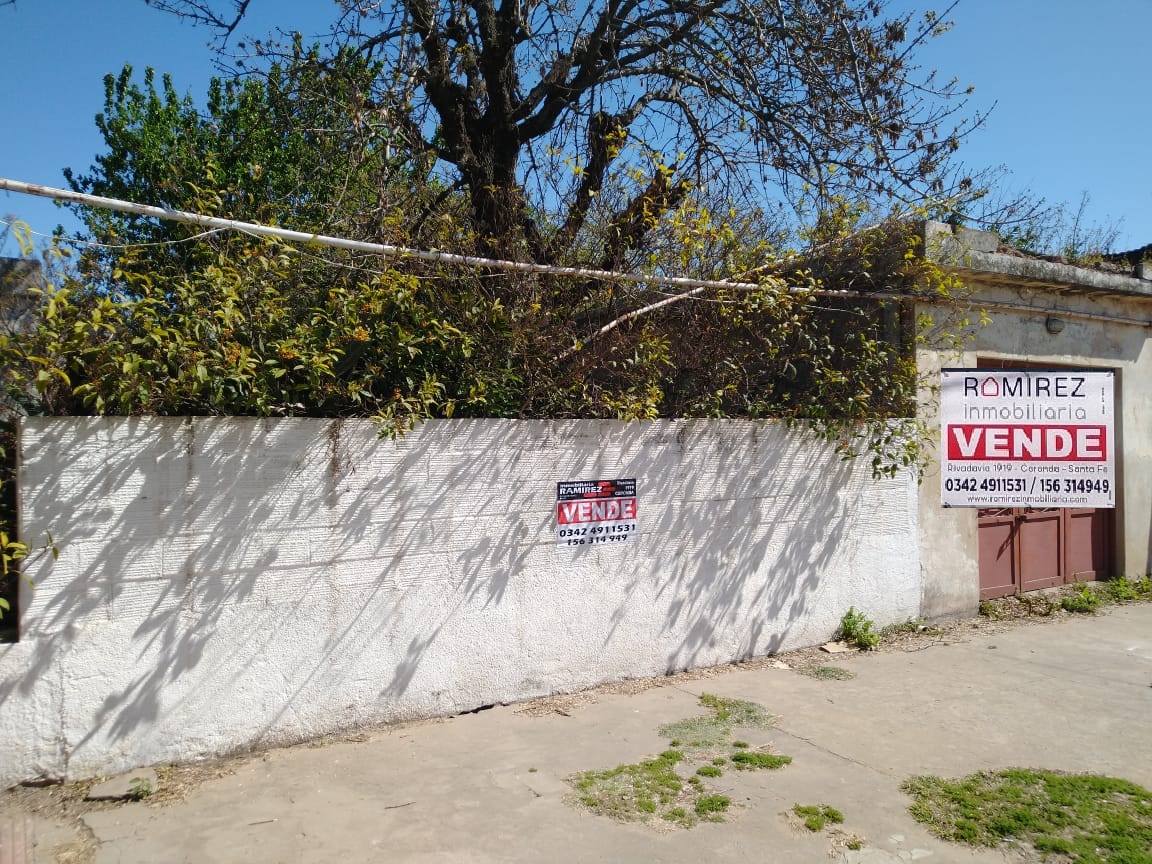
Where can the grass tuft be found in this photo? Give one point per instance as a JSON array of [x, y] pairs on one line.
[[715, 728], [817, 816], [709, 807], [1083, 600], [827, 673], [746, 761], [1087, 818], [655, 788]]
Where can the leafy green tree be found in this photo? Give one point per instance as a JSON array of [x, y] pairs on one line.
[[297, 146]]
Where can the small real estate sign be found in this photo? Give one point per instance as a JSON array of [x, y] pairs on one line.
[[589, 512], [1027, 438]]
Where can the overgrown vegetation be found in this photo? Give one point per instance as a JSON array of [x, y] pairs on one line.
[[1122, 590], [11, 549], [1086, 818], [574, 131], [1065, 232], [251, 327], [377, 138]]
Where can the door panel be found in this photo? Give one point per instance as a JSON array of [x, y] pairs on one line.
[[997, 529], [1040, 536], [1089, 545]]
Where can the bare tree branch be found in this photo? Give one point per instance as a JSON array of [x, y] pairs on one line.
[[755, 100]]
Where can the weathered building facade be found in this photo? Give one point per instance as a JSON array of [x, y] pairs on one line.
[[1040, 314]]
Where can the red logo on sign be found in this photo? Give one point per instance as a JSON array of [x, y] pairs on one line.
[[1029, 443], [608, 510]]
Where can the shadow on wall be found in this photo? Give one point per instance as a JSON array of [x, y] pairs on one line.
[[229, 582]]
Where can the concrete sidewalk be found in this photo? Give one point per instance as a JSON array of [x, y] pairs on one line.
[[1072, 694]]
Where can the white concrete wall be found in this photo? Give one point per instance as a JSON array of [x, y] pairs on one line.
[[230, 583]]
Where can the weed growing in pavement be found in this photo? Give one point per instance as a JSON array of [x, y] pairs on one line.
[[139, 788], [912, 625], [990, 610], [1124, 590], [1121, 590], [658, 788], [746, 760], [709, 807], [633, 791], [715, 729], [1080, 817], [858, 629], [817, 816], [826, 673], [1083, 599]]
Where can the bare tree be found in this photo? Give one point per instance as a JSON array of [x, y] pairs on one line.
[[536, 107]]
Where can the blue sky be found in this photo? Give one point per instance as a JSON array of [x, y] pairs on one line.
[[1071, 84]]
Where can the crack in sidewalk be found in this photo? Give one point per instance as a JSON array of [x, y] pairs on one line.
[[829, 751]]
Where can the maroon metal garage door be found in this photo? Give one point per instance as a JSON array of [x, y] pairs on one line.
[[1024, 549]]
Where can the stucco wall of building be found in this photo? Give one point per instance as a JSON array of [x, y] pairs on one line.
[[226, 583]]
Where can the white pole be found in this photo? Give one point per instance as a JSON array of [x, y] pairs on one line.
[[359, 245]]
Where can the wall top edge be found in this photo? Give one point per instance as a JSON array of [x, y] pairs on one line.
[[976, 252]]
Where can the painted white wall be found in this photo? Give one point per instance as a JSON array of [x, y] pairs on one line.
[[225, 583]]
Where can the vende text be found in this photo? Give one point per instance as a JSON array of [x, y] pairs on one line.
[[607, 510], [1029, 443]]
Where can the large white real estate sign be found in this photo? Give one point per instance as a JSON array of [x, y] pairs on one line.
[[1027, 438]]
